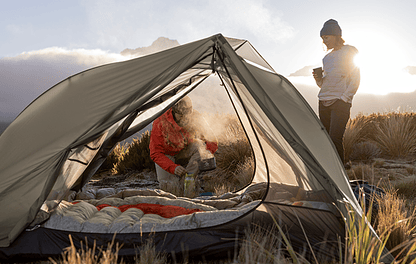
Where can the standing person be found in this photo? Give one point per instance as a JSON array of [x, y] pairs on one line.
[[177, 143], [339, 83]]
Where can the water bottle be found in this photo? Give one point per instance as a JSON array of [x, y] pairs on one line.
[[189, 183]]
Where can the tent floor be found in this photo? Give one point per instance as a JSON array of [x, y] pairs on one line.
[[218, 242]]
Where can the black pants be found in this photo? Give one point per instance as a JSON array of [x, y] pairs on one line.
[[335, 118]]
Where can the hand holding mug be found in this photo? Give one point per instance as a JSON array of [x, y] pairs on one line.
[[317, 73]]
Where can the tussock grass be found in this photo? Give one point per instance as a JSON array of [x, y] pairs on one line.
[[233, 148], [393, 216], [355, 133], [147, 254], [234, 158], [362, 247], [396, 136], [89, 255], [114, 158], [406, 190], [364, 152], [362, 171], [262, 245], [391, 135], [136, 156]]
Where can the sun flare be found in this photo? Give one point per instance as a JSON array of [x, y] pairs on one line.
[[382, 63]]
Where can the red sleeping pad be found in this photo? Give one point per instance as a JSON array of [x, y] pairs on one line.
[[166, 211]]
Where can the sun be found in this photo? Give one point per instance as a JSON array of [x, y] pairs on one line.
[[381, 61]]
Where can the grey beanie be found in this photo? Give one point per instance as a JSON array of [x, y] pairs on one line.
[[331, 27]]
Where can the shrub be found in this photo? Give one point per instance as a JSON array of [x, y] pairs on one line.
[[137, 156], [364, 151], [356, 131], [361, 171], [406, 190], [396, 136], [234, 158], [395, 218], [114, 157]]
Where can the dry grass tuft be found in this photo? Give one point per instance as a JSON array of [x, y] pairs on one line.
[[355, 132], [396, 136], [261, 245], [362, 171], [394, 217], [149, 255], [136, 156], [114, 157], [89, 255], [364, 151], [234, 158], [406, 190]]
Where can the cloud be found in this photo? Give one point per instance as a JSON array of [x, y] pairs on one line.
[[26, 76], [138, 23]]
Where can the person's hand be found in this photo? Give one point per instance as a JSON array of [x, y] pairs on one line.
[[318, 79], [180, 171]]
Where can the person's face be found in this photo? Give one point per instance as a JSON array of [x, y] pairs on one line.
[[329, 41], [181, 118], [178, 116]]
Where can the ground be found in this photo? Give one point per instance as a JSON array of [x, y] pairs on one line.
[[380, 172], [134, 179]]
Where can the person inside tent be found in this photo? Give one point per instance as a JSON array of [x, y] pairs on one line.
[[177, 143], [339, 83]]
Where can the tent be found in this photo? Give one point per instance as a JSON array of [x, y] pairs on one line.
[[60, 140]]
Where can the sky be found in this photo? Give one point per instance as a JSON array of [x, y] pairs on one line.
[[43, 42]]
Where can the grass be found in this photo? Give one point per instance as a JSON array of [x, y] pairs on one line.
[[89, 255], [391, 135], [362, 171], [355, 134], [406, 190], [134, 157], [396, 136], [394, 216], [234, 157], [262, 245]]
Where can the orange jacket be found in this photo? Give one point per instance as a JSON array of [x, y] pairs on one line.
[[168, 138]]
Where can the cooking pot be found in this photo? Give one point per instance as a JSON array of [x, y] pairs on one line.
[[207, 164]]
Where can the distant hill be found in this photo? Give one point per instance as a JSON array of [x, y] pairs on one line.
[[161, 43], [366, 103]]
